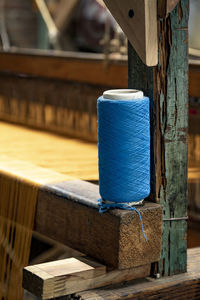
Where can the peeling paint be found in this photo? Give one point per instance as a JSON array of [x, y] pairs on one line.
[[180, 12]]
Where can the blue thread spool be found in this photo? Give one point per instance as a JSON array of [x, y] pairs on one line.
[[124, 148]]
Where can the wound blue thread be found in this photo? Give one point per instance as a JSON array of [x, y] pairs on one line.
[[124, 152]]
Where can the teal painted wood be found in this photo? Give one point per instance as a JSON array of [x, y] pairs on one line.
[[43, 38], [167, 86]]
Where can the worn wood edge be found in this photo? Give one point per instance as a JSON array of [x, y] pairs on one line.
[[54, 54], [47, 286], [78, 191], [43, 282], [151, 38], [87, 194]]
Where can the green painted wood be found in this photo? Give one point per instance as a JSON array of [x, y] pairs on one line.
[[167, 86], [43, 38]]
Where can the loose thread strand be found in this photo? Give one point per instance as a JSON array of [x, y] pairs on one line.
[[104, 207]]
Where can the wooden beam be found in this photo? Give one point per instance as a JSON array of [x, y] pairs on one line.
[[138, 20], [72, 275], [61, 277], [182, 286], [66, 66], [114, 238], [42, 64], [167, 87]]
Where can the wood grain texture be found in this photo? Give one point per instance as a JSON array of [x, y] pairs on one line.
[[69, 66], [183, 286], [70, 158], [114, 238], [167, 87], [138, 21], [61, 277], [165, 7], [65, 277]]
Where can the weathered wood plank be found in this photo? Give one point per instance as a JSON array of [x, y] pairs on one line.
[[68, 276], [114, 238], [61, 277], [70, 66], [182, 286], [167, 87]]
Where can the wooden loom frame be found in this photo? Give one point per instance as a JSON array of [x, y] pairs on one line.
[[179, 259]]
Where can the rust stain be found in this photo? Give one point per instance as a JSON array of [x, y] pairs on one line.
[[183, 129], [182, 28], [167, 141], [168, 128], [183, 138]]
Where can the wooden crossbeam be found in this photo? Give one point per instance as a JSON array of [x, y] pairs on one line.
[[138, 20], [114, 238], [71, 275]]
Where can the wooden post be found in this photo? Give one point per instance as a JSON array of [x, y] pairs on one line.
[[167, 87]]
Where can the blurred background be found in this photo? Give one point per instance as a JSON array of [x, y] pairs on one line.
[[73, 25]]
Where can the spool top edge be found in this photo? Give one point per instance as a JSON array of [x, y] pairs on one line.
[[123, 94]]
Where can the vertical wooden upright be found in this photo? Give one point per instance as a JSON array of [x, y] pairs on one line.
[[167, 87]]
